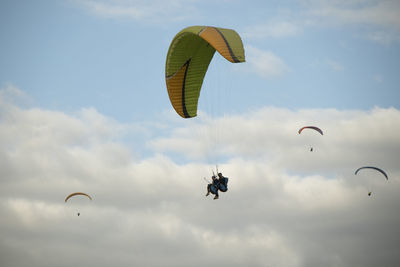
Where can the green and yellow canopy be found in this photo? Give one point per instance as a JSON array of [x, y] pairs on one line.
[[188, 58]]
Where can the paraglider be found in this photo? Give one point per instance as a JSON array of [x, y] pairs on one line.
[[188, 58], [373, 168], [77, 194], [312, 128]]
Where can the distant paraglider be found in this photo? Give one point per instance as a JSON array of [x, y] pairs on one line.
[[77, 194], [312, 128], [373, 168]]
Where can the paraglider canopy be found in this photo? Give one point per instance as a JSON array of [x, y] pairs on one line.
[[374, 168], [187, 62], [77, 194], [311, 127]]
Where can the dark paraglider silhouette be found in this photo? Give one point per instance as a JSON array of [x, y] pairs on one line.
[[77, 194], [313, 128], [373, 168]]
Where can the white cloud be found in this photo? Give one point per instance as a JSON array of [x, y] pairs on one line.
[[271, 134], [327, 64], [285, 206], [273, 29], [334, 65], [264, 63], [381, 13], [378, 20], [384, 37], [141, 10], [11, 95]]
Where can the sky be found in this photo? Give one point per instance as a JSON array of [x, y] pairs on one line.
[[84, 107]]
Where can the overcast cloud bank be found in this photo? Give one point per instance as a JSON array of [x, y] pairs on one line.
[[285, 206]]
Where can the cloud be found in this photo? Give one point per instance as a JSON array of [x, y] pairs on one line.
[[285, 206], [11, 95], [154, 11], [384, 37], [334, 65], [380, 13], [273, 29], [327, 64], [264, 63], [377, 20]]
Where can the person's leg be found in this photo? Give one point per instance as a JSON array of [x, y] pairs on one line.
[[208, 190], [216, 195]]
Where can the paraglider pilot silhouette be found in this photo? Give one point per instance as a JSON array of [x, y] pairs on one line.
[[217, 184]]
